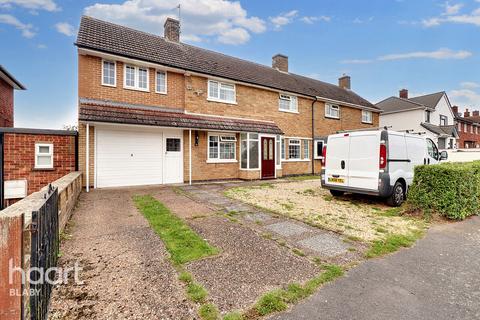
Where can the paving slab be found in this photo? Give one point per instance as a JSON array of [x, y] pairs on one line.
[[287, 228], [326, 244]]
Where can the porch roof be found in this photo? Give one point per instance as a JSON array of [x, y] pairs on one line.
[[114, 112]]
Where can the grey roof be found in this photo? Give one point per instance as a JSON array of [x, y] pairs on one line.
[[5, 75], [429, 100], [441, 130], [120, 40], [394, 104]]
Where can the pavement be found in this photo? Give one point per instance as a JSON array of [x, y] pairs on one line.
[[439, 278]]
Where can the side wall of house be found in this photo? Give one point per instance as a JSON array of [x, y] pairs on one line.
[[6, 104], [82, 138], [19, 158]]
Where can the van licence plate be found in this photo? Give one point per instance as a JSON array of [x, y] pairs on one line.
[[336, 180]]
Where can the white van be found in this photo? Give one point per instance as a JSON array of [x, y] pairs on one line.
[[375, 162]]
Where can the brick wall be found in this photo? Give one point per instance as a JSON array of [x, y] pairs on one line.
[[19, 158], [6, 104], [472, 139], [82, 138]]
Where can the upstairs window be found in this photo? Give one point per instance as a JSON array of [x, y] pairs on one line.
[[471, 128], [443, 120], [367, 116], [427, 116], [332, 111], [161, 82], [287, 103], [294, 149], [109, 73], [136, 78], [221, 92], [43, 156]]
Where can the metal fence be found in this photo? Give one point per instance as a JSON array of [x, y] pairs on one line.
[[44, 252]]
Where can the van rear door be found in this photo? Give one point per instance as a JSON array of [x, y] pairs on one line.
[[336, 168], [364, 160]]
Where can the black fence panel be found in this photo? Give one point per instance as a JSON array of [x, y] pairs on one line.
[[44, 253]]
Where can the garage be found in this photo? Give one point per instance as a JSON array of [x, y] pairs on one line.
[[134, 157]]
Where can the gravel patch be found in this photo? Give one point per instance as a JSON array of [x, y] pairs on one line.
[[307, 201], [126, 271]]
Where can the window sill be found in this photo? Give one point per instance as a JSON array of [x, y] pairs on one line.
[[367, 122], [296, 160], [318, 158], [222, 101], [163, 93], [243, 169], [221, 161], [333, 118], [136, 89], [43, 169], [109, 85], [288, 111]]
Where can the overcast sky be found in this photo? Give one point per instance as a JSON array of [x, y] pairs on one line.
[[384, 45]]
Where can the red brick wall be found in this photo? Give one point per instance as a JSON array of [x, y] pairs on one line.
[[19, 158], [472, 139], [6, 104]]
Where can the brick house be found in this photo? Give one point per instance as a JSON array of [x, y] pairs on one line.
[[155, 110], [29, 158], [468, 128]]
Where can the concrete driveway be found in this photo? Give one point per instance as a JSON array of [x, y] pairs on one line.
[[439, 278]]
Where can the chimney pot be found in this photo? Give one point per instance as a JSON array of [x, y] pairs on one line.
[[280, 62], [466, 113], [171, 30], [455, 110], [403, 94], [476, 113], [344, 82]]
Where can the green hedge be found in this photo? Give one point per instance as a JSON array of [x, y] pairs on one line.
[[449, 189]]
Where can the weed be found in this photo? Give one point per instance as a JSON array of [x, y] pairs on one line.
[[354, 238], [328, 197], [233, 316], [196, 292], [209, 311], [271, 302], [381, 230], [185, 277], [267, 235], [392, 243], [298, 252]]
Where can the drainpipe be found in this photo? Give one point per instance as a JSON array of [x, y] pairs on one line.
[[190, 156], [313, 135], [87, 158], [2, 185]]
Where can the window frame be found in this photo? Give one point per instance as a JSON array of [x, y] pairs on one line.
[[329, 106], [428, 115], [217, 98], [156, 81], [296, 143], [306, 149], [219, 135], [315, 155], [371, 116], [248, 140], [136, 78], [114, 73], [37, 154], [293, 105], [442, 117]]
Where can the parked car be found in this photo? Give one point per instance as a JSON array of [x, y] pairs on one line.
[[376, 162]]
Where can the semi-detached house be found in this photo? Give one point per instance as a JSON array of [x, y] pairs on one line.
[[155, 111]]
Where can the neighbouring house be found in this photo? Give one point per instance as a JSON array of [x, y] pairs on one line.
[[467, 128], [430, 114], [154, 110], [29, 158]]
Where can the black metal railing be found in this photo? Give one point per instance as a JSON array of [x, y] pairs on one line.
[[44, 253]]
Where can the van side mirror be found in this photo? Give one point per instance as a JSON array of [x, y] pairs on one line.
[[443, 156]]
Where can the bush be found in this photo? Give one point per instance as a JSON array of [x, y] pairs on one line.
[[449, 189]]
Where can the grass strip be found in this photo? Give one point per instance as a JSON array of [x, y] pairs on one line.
[[183, 244], [392, 243]]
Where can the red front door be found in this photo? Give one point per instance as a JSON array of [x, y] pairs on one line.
[[268, 158]]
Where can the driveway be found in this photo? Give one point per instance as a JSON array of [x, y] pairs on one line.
[[436, 279]]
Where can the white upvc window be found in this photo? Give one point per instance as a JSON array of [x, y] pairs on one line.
[[136, 78], [221, 92], [161, 82], [294, 149], [283, 153], [249, 151], [222, 148], [43, 156], [367, 116], [109, 73], [278, 153], [332, 111], [287, 103], [318, 149], [306, 149]]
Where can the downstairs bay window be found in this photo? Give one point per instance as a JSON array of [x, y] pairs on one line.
[[249, 151], [222, 148]]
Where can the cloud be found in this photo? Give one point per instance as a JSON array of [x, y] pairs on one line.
[[360, 21], [451, 16], [48, 5], [465, 97], [42, 46], [452, 9], [440, 54], [313, 19], [283, 19], [26, 29], [470, 85], [65, 28], [202, 20]]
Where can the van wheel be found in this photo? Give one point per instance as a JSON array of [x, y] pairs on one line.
[[336, 193], [398, 195]]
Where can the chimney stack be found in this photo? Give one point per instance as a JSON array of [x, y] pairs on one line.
[[476, 113], [280, 62], [344, 82], [172, 30], [403, 94], [466, 114], [455, 110]]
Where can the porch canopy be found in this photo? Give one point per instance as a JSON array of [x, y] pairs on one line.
[[105, 111]]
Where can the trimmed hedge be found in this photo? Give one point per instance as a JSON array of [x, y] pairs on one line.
[[449, 189]]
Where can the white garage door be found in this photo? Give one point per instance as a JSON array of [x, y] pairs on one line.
[[132, 157]]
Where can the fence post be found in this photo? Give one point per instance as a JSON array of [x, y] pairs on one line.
[[11, 234]]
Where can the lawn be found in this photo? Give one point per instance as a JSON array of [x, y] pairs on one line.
[[359, 218]]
